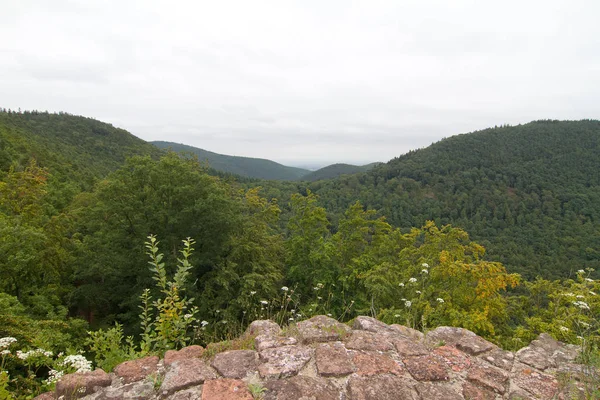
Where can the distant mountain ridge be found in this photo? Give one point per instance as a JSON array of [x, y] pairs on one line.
[[260, 168], [336, 170]]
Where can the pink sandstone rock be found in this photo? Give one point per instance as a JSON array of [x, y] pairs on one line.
[[221, 389], [489, 377], [368, 341], [380, 387], [186, 373], [283, 361], [372, 363], [74, 386], [333, 360], [473, 392], [432, 391], [454, 358], [236, 363], [427, 368], [322, 329], [301, 387], [136, 370], [187, 352]]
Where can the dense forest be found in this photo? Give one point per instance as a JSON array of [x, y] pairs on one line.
[[497, 231]]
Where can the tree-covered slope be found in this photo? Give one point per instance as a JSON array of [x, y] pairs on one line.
[[242, 166], [335, 170], [75, 150], [529, 193]]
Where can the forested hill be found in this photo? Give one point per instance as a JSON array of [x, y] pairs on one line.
[[75, 150], [529, 193], [336, 170], [243, 166]]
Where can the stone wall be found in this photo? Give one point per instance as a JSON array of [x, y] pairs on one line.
[[323, 359]]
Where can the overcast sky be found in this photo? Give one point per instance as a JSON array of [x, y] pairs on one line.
[[303, 82]]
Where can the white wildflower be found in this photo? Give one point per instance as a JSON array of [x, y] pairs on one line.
[[79, 362], [581, 271], [290, 319], [418, 292], [53, 376], [224, 321], [425, 265], [6, 341], [401, 284], [584, 324], [252, 293], [5, 352], [582, 304], [412, 280], [407, 303], [569, 294], [264, 302], [329, 315], [319, 297], [396, 315], [424, 271], [285, 288], [188, 316], [564, 329], [580, 296], [439, 300], [204, 323], [589, 280]]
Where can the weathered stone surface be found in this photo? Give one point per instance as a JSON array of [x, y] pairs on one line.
[[372, 325], [547, 343], [262, 342], [374, 363], [407, 348], [236, 363], [409, 333], [333, 360], [136, 370], [565, 354], [193, 393], [368, 341], [447, 335], [140, 390], [427, 368], [499, 358], [186, 373], [534, 357], [489, 377], [436, 391], [535, 382], [517, 393], [230, 389], [262, 327], [380, 387], [472, 392], [475, 345], [74, 386], [322, 329], [283, 361], [454, 358], [301, 388], [187, 352]]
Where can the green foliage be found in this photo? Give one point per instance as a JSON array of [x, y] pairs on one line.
[[109, 347], [241, 166], [336, 170]]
